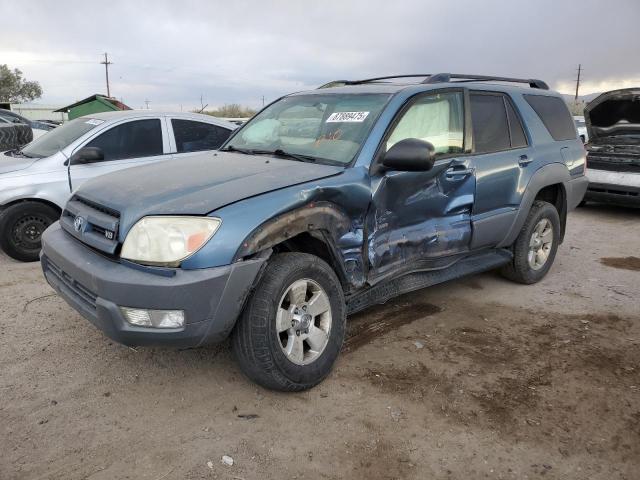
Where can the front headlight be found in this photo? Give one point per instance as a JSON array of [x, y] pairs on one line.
[[167, 240]]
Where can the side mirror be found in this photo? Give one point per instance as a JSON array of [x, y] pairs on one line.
[[410, 155], [87, 155]]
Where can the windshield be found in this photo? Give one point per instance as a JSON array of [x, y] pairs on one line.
[[60, 137], [323, 127]]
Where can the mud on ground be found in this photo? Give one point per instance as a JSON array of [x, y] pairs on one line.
[[477, 378]]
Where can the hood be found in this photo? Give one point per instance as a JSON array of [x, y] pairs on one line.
[[196, 185], [10, 163], [614, 113]]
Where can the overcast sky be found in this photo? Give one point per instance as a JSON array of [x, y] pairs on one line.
[[171, 52]]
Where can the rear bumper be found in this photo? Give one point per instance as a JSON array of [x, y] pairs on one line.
[[97, 286], [620, 188]]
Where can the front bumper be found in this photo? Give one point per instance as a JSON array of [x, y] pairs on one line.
[[620, 188], [97, 286]]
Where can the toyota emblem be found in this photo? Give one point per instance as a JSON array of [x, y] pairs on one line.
[[78, 223]]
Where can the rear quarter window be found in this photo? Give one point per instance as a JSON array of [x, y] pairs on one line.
[[554, 115]]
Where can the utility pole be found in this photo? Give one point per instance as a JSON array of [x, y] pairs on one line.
[[578, 81], [263, 100], [147, 102], [106, 64]]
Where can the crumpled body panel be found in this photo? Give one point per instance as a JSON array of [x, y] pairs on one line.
[[418, 218]]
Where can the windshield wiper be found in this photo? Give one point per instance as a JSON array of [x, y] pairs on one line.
[[278, 152], [231, 148], [294, 156], [19, 153]]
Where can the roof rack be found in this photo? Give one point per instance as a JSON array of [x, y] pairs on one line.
[[444, 78]]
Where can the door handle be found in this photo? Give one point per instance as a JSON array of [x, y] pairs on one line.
[[523, 161], [458, 172]]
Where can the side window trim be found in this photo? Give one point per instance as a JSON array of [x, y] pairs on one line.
[[466, 124], [506, 112], [505, 98]]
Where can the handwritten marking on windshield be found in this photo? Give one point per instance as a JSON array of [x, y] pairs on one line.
[[328, 137]]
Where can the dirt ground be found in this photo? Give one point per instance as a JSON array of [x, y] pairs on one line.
[[476, 378]]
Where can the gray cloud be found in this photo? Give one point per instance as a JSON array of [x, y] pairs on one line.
[[172, 52]]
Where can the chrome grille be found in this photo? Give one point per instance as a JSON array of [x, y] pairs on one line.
[[92, 224]]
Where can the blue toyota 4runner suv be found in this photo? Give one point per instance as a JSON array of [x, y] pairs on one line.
[[326, 202]]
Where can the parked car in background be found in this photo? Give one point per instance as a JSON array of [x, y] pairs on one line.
[[324, 203], [581, 126], [37, 180], [15, 130], [38, 128], [613, 151]]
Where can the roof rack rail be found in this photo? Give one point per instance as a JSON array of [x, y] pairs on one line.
[[447, 77], [342, 83], [443, 78]]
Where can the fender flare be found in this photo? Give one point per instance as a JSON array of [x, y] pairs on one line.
[[320, 217], [551, 174]]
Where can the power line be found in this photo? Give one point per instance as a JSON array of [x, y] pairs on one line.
[[106, 64]]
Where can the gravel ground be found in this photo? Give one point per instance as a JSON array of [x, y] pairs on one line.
[[476, 378]]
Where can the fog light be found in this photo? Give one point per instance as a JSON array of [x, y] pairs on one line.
[[153, 318]]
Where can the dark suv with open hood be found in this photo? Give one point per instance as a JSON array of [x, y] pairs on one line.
[[613, 151], [326, 202]]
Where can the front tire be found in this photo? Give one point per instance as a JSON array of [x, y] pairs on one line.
[[21, 228], [291, 330], [535, 248]]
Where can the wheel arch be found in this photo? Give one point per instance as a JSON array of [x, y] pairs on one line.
[[44, 201], [315, 229], [549, 183]]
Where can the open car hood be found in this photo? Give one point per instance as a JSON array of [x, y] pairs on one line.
[[614, 113]]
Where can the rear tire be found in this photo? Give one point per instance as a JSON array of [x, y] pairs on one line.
[[21, 228], [291, 330], [535, 248]]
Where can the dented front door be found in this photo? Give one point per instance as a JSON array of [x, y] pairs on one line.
[[422, 220]]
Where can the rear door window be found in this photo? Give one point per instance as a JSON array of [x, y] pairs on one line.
[[555, 115], [518, 138], [193, 136], [137, 139], [490, 124]]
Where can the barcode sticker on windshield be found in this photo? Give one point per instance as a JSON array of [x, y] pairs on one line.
[[94, 121], [347, 117]]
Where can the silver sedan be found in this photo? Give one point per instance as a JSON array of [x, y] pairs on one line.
[[36, 181]]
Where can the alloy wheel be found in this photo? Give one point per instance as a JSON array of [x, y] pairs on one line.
[[303, 321], [540, 244]]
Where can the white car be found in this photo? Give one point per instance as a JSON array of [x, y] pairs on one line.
[[613, 153], [36, 181], [581, 126]]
